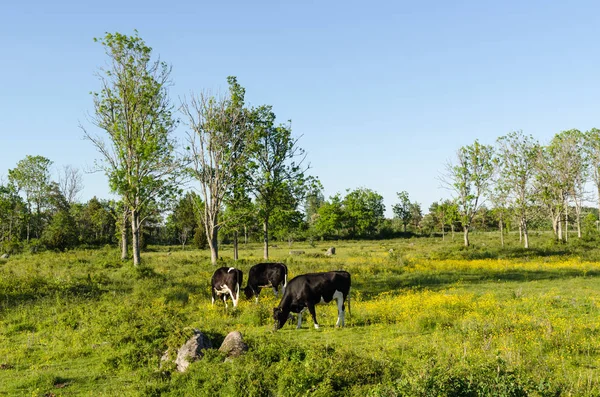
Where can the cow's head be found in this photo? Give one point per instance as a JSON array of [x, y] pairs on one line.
[[249, 292], [280, 317]]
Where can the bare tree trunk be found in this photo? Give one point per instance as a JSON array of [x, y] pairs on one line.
[[266, 237], [124, 244], [245, 234], [443, 234], [235, 245], [567, 224], [135, 242], [466, 235], [452, 228], [520, 232], [501, 232], [559, 231], [525, 233]]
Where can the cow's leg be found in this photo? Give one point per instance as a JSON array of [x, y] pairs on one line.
[[213, 296], [233, 297], [275, 290], [300, 318], [339, 297], [313, 313], [225, 300]]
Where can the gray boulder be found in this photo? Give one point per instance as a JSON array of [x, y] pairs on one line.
[[191, 351], [4, 256], [330, 251], [233, 345]]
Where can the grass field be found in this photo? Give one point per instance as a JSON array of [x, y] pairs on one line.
[[428, 318]]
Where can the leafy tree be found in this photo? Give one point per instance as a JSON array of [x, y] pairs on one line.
[[183, 220], [314, 201], [591, 140], [12, 213], [469, 180], [135, 113], [219, 144], [278, 177], [32, 176], [560, 175], [402, 209], [363, 211], [61, 232], [329, 219], [416, 215], [95, 220], [516, 160]]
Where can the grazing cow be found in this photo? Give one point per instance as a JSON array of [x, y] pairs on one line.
[[266, 275], [226, 280], [306, 290]]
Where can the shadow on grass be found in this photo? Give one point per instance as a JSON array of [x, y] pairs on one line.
[[399, 280]]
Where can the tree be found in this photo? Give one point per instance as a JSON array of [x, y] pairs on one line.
[[32, 176], [135, 112], [561, 175], [61, 232], [95, 220], [402, 209], [12, 213], [70, 182], [219, 144], [591, 146], [278, 175], [363, 211], [183, 221], [469, 180], [329, 219], [516, 160], [416, 215]]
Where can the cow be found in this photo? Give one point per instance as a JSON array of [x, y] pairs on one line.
[[226, 280], [306, 290], [265, 275]]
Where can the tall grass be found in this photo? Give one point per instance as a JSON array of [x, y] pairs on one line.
[[428, 318]]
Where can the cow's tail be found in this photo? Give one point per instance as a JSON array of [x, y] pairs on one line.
[[284, 282]]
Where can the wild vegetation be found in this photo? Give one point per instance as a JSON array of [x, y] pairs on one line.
[[428, 317]]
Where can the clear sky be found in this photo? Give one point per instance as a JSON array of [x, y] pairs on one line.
[[383, 93]]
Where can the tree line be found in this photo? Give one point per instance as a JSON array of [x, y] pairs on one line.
[[241, 174]]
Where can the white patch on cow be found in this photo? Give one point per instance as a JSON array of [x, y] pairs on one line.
[[316, 326], [230, 269], [224, 290]]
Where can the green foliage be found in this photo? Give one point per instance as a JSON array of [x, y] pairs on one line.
[[363, 212], [402, 209], [61, 233], [134, 111]]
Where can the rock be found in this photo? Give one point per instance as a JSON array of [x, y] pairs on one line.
[[233, 345], [296, 252], [4, 256], [191, 351], [330, 251]]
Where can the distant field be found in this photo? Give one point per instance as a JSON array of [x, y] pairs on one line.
[[428, 318]]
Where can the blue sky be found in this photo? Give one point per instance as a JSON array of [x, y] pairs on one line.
[[382, 93]]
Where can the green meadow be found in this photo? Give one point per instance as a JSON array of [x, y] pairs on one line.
[[428, 318]]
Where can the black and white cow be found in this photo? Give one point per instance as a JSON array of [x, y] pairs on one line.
[[264, 275], [306, 290], [226, 280]]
